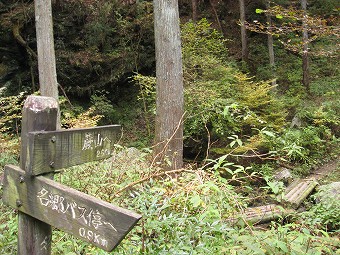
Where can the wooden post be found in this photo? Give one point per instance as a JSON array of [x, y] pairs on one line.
[[39, 114]]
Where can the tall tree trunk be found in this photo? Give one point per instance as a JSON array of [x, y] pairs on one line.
[[45, 45], [169, 88], [212, 3], [194, 10], [243, 31], [305, 53], [46, 55], [271, 45]]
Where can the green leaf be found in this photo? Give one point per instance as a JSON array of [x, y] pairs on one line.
[[279, 16], [282, 245], [259, 11], [268, 133], [196, 201], [239, 142]]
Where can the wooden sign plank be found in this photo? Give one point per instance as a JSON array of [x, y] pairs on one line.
[[95, 221], [52, 150]]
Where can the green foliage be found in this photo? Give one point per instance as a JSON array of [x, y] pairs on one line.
[[147, 92], [103, 107], [75, 116], [184, 215], [7, 158], [274, 186], [325, 214], [324, 7], [10, 113], [304, 145], [281, 239], [196, 35], [218, 97], [9, 228], [229, 170], [102, 43]]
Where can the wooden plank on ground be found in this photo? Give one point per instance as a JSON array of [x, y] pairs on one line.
[[262, 214], [54, 150], [92, 220], [299, 191]]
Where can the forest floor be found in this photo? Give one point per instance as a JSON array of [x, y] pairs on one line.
[[328, 172]]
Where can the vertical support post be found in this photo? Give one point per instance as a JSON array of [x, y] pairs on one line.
[[39, 114]]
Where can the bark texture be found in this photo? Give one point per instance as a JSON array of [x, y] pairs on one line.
[[45, 45], [169, 89], [194, 10], [305, 53], [243, 31], [271, 45]]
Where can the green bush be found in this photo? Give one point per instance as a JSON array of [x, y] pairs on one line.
[[10, 113], [325, 214]]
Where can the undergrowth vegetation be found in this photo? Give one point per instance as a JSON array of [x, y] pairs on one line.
[[190, 214]]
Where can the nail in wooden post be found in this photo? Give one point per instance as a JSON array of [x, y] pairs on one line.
[[39, 114]]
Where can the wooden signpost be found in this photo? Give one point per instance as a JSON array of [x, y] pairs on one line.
[[95, 221], [42, 202], [52, 150]]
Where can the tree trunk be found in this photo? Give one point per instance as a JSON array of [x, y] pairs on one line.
[[216, 15], [194, 10], [169, 89], [305, 54], [271, 45], [243, 31], [45, 45]]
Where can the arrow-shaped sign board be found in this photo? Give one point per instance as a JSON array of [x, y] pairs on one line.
[[52, 150], [91, 219]]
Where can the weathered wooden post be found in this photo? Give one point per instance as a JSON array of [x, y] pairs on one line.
[[39, 114]]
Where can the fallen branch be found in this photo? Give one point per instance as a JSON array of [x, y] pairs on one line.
[[163, 151], [21, 41], [152, 176]]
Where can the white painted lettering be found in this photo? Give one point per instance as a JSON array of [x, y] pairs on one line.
[[96, 238], [82, 232], [89, 235]]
